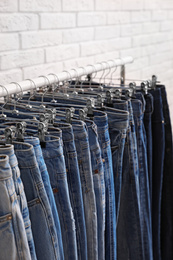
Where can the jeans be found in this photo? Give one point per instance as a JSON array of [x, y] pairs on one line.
[[85, 169], [74, 184], [14, 244], [167, 191], [46, 181], [148, 128], [99, 185], [19, 189], [158, 135], [54, 159], [101, 120], [43, 227], [145, 208]]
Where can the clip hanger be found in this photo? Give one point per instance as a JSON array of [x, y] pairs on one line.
[[144, 87], [90, 105], [9, 134], [83, 114], [118, 93], [69, 114], [20, 131], [109, 97], [100, 100]]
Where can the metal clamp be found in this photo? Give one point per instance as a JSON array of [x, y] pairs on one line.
[[100, 100], [109, 96], [90, 105], [9, 134], [20, 130], [52, 114], [144, 87], [118, 93], [69, 114], [83, 114], [42, 130]]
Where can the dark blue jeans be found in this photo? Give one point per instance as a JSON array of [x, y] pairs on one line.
[[145, 208], [149, 142], [167, 191], [158, 135]]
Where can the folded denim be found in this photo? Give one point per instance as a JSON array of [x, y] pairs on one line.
[[43, 228], [14, 243], [55, 162], [19, 189]]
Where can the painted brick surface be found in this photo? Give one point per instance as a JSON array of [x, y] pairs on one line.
[[42, 36]]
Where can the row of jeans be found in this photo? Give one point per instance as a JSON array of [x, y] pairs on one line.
[[97, 187]]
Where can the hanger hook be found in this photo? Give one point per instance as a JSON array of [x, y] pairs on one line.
[[2, 107], [42, 98], [101, 63], [18, 98], [111, 79], [53, 94], [77, 77], [82, 82], [34, 91]]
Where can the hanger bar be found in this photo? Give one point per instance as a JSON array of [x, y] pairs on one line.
[[26, 85]]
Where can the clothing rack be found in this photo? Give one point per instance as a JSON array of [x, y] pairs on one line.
[[26, 85]]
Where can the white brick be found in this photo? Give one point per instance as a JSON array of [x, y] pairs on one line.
[[141, 40], [132, 5], [150, 27], [103, 5], [159, 15], [166, 26], [9, 42], [10, 75], [160, 37], [119, 44], [62, 52], [92, 48], [167, 4], [78, 35], [151, 5], [170, 14], [21, 59], [159, 58], [58, 20], [149, 50], [40, 39], [131, 29], [106, 56], [91, 19], [134, 52], [132, 75], [107, 32], [18, 22], [140, 16], [78, 5], [40, 5], [118, 17], [8, 5], [79, 62], [139, 64], [44, 69]]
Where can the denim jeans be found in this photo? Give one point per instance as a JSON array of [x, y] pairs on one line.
[[55, 162], [46, 181], [145, 208], [14, 244], [43, 226], [158, 135], [85, 169], [167, 191], [148, 128], [74, 184], [101, 120], [99, 185], [19, 189]]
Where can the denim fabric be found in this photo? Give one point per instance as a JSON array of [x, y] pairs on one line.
[[118, 123], [14, 244], [99, 185], [46, 181], [101, 120], [54, 159], [43, 226], [85, 169], [74, 184], [128, 225], [19, 189], [145, 209], [148, 128], [158, 135], [167, 191]]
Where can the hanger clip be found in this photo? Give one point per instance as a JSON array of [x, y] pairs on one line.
[[109, 97], [52, 114], [20, 131], [90, 105], [83, 114], [100, 100], [69, 114], [144, 87], [118, 93], [9, 134], [154, 81], [42, 130]]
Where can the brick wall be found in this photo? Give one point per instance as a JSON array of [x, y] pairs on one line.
[[42, 36]]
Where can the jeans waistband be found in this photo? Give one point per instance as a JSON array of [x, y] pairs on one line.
[[9, 150], [118, 119], [5, 169]]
